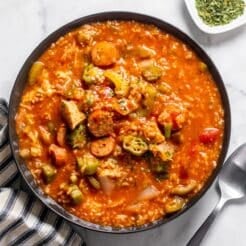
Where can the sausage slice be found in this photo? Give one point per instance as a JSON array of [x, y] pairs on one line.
[[104, 54], [103, 147], [100, 123]]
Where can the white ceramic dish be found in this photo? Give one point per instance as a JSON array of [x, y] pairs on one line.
[[191, 6]]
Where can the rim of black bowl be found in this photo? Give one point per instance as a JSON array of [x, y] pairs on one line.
[[20, 85]]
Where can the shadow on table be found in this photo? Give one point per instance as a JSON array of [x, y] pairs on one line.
[[209, 39]]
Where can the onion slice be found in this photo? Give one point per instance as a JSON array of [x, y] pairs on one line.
[[148, 193], [107, 184]]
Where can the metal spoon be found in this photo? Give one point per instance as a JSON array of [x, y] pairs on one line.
[[232, 186]]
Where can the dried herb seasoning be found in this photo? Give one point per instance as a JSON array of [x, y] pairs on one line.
[[219, 12]]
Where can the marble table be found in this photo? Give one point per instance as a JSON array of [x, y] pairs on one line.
[[24, 24]]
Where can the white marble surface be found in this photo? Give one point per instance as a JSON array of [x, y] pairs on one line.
[[23, 24]]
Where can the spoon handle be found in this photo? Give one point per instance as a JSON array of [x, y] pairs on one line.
[[201, 232]]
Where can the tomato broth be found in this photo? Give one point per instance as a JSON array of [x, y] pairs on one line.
[[120, 123]]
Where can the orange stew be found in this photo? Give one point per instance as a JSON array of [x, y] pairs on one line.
[[120, 123]]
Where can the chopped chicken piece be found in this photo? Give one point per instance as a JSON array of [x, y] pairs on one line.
[[71, 114]]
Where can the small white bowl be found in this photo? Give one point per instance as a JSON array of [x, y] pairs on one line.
[[191, 6]]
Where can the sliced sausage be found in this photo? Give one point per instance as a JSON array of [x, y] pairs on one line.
[[58, 154], [104, 54], [103, 147], [100, 123]]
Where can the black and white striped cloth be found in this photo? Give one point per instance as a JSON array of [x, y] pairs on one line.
[[24, 220]]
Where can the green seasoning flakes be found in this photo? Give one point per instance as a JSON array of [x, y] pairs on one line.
[[219, 12]]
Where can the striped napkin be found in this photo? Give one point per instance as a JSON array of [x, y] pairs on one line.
[[24, 220]]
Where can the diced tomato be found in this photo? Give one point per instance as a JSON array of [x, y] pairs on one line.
[[209, 135]]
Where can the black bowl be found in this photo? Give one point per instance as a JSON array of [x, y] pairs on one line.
[[20, 85]]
